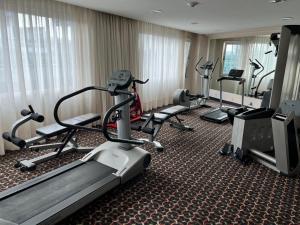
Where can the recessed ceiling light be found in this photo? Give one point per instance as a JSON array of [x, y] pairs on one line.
[[194, 23], [287, 18], [277, 1], [156, 11], [192, 3]]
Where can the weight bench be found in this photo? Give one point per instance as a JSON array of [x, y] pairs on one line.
[[154, 121], [68, 143]]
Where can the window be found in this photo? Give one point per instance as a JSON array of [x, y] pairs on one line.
[[232, 54], [44, 43]]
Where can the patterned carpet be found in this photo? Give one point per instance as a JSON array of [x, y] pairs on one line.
[[189, 183]]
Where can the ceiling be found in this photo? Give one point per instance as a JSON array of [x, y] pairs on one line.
[[212, 16]]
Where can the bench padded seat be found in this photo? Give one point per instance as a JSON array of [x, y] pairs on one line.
[[174, 110], [167, 113], [56, 129]]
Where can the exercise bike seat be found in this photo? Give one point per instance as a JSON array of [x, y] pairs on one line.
[[56, 129]]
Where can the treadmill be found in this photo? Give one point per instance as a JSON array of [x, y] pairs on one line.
[[220, 114], [53, 196]]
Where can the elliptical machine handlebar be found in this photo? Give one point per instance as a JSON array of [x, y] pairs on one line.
[[215, 65], [106, 118], [197, 64], [259, 83], [212, 70], [257, 65]]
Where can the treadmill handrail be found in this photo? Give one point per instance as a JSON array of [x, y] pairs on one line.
[[106, 118], [240, 79]]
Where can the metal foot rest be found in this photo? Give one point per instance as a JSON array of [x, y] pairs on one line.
[[56, 129]]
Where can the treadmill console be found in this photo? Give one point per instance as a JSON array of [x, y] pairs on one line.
[[120, 79], [235, 73]]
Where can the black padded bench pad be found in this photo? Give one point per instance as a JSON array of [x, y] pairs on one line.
[[174, 110], [167, 113], [56, 129]]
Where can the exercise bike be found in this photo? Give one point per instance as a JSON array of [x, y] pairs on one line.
[[136, 109], [193, 101]]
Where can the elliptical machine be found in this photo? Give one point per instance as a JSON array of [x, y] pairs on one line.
[[194, 101], [254, 66]]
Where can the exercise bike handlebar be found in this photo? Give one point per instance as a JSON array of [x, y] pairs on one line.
[[106, 118], [140, 81]]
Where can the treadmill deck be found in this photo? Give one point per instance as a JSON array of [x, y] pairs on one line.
[[38, 198]]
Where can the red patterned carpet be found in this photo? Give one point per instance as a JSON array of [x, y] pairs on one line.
[[189, 183]]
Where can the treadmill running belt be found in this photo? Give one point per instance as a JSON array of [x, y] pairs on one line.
[[30, 202]]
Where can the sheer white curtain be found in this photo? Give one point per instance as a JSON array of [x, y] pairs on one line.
[[117, 49], [161, 55], [291, 83], [45, 53]]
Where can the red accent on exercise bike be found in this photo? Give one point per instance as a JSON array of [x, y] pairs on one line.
[[136, 110]]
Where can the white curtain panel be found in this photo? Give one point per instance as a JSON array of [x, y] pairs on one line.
[[198, 49], [44, 54], [291, 83], [161, 57], [117, 49]]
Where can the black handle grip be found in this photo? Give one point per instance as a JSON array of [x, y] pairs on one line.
[[25, 112], [15, 140], [37, 117], [6, 136], [141, 82]]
